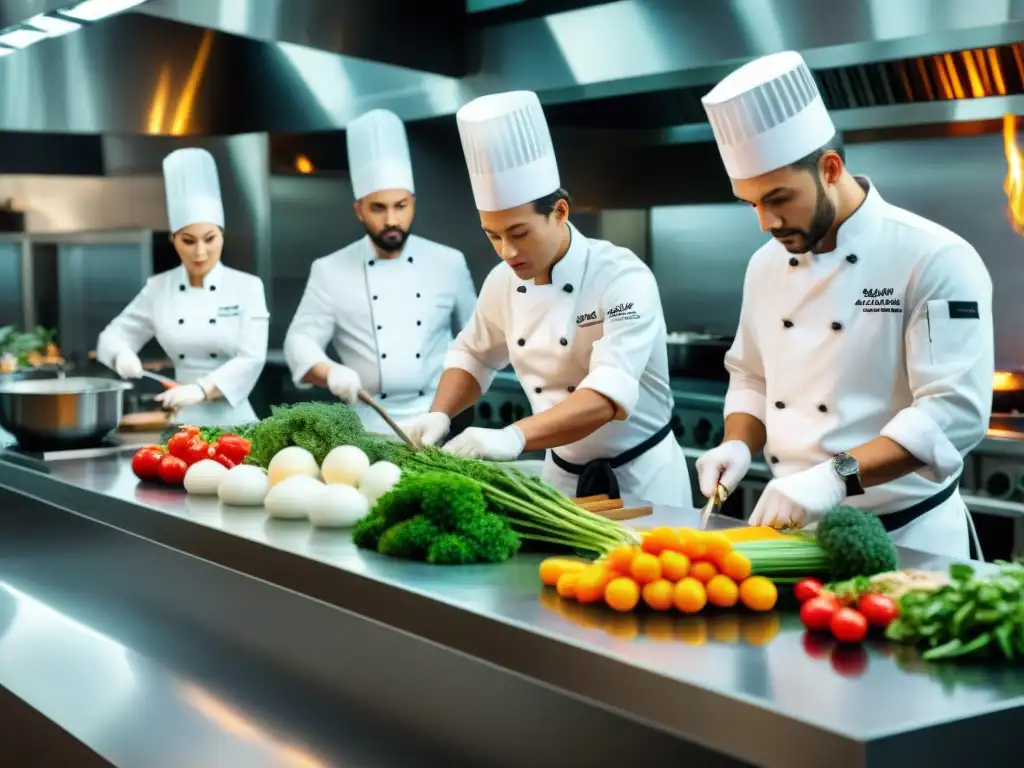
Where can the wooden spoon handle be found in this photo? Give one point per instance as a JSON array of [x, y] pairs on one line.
[[368, 399]]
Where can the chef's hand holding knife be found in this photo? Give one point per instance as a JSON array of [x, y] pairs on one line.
[[428, 429], [344, 383], [475, 443]]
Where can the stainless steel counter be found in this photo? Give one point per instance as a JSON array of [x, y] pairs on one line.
[[747, 689]]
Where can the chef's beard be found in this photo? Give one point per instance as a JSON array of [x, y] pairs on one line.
[[821, 223], [389, 239]]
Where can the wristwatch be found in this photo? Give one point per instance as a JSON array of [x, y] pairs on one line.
[[847, 469]]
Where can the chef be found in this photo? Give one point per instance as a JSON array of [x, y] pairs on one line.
[[863, 361], [210, 319], [389, 300], [580, 320]]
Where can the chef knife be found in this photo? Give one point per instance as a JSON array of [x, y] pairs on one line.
[[712, 506]]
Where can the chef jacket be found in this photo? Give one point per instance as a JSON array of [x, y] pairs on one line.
[[217, 333], [390, 321], [599, 325], [889, 334]]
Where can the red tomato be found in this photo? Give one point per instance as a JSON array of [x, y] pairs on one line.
[[848, 625], [178, 444], [817, 612], [197, 449], [189, 430], [146, 462], [220, 458], [172, 470], [807, 588], [879, 610], [232, 447]]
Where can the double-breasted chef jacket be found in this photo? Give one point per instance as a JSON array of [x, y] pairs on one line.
[[390, 321], [889, 334], [599, 325], [217, 332]]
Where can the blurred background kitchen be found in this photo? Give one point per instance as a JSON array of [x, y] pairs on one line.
[[94, 94]]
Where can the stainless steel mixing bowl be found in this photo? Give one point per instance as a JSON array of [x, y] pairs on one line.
[[61, 413]]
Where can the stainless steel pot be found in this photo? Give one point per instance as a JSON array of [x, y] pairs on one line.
[[48, 414]]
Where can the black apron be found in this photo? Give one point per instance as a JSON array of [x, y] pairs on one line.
[[597, 476], [893, 521]]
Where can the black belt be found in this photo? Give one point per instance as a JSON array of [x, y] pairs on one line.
[[597, 476], [893, 521]]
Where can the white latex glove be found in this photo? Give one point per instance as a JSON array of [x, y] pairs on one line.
[[344, 383], [181, 397], [491, 444], [127, 365], [726, 465], [428, 429], [799, 499]]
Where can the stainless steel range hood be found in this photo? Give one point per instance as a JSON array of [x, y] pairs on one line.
[[638, 67]]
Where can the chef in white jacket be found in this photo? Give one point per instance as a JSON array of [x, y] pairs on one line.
[[211, 320], [863, 361], [388, 300], [580, 320]]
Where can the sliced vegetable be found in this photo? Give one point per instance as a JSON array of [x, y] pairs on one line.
[[203, 478], [338, 506], [243, 486], [146, 462]]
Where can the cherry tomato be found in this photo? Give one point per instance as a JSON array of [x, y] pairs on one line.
[[817, 612], [146, 462], [807, 588], [232, 447], [220, 458], [848, 625], [172, 470], [197, 449], [879, 610]]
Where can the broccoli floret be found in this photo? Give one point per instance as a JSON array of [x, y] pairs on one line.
[[856, 543], [442, 518], [410, 539], [367, 532]]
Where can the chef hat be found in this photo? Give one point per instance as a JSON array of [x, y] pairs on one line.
[[192, 189], [767, 114], [378, 153], [508, 150]]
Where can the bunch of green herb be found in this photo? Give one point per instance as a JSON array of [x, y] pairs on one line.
[[974, 615]]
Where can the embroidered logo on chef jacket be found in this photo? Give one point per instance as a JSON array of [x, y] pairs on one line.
[[232, 310], [879, 300], [587, 319], [622, 312]]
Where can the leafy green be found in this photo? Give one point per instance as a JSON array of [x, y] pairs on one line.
[[973, 615]]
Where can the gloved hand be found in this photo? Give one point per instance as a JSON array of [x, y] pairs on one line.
[[127, 365], [181, 397], [428, 429], [492, 444], [344, 383], [726, 465], [799, 499]]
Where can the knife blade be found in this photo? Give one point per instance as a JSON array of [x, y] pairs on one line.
[[167, 382], [712, 506]]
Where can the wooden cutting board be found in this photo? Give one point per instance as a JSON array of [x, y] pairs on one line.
[[147, 421]]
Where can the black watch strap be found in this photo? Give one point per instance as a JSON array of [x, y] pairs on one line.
[[847, 469]]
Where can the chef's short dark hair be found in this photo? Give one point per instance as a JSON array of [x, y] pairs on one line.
[[545, 206], [810, 162]]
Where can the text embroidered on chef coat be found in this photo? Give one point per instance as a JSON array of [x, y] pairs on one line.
[[622, 312], [879, 300], [228, 311], [587, 319]]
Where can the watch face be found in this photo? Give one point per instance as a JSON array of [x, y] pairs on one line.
[[846, 465]]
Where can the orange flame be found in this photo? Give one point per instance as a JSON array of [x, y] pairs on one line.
[[1014, 184], [303, 164]]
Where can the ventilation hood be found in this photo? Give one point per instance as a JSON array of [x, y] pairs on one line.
[[637, 67]]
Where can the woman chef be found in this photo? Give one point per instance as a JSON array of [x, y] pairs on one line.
[[863, 361], [580, 321], [210, 319]]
